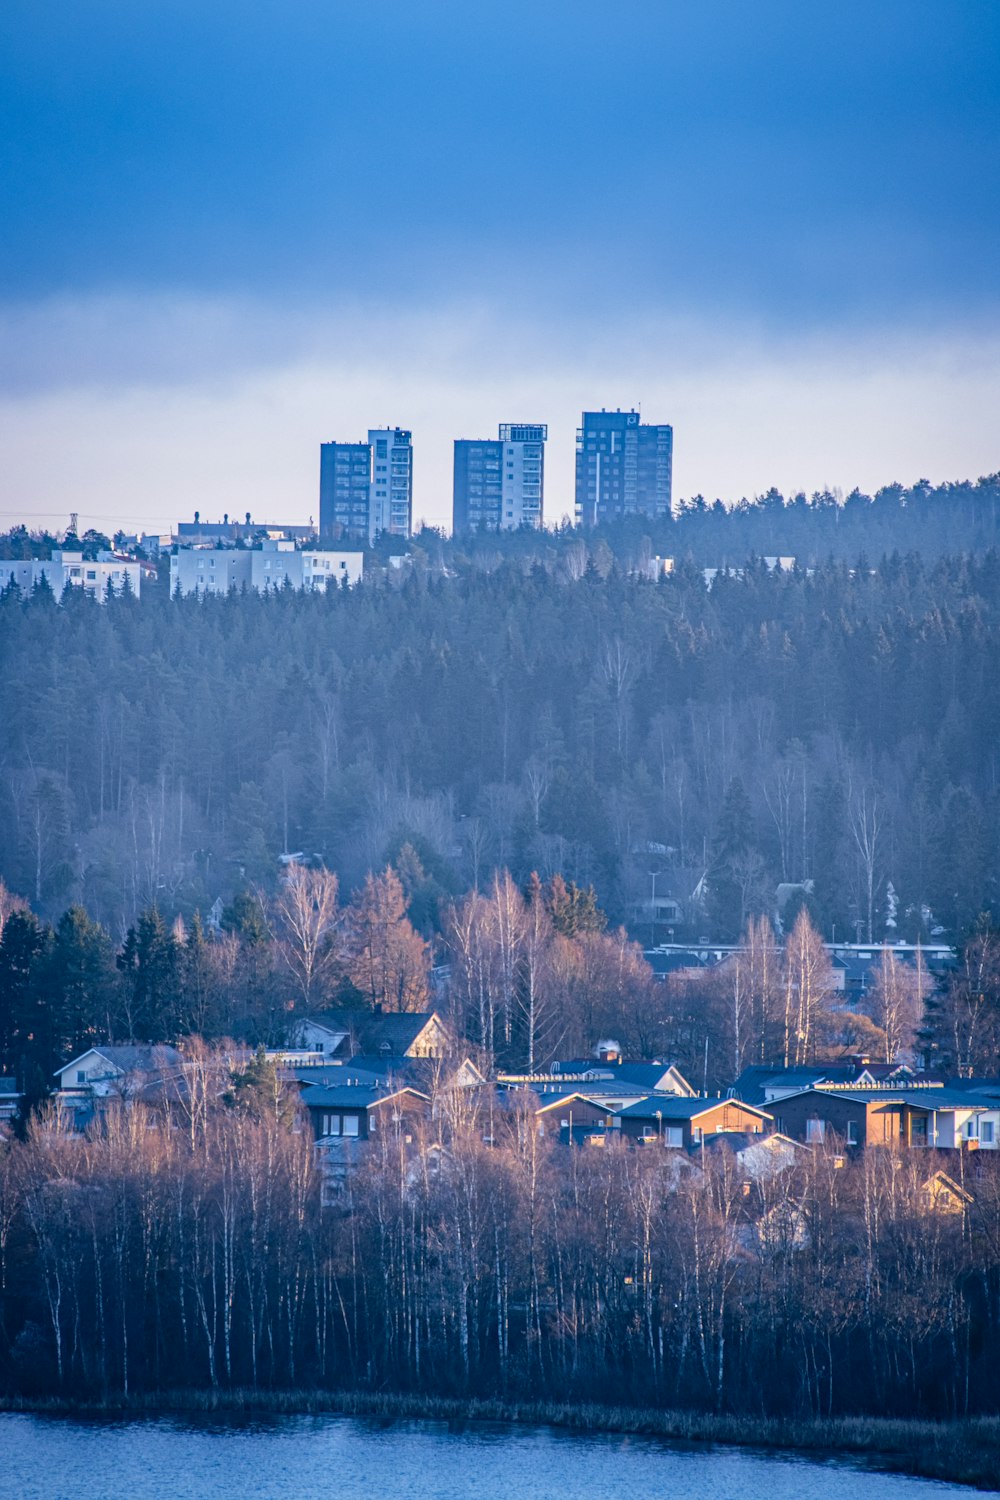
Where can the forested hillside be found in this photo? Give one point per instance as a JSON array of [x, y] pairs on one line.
[[837, 726]]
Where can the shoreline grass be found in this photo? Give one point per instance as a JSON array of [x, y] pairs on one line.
[[963, 1451]]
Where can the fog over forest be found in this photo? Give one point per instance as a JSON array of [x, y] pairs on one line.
[[532, 703]]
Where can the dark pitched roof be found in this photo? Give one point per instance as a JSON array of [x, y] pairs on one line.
[[750, 1086], [988, 1087], [395, 1032], [646, 1074], [675, 1107], [928, 1096], [354, 1096], [138, 1058], [333, 1075], [578, 1065], [343, 1096], [377, 1031]]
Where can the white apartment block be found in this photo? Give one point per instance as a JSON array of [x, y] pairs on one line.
[[65, 570], [522, 474], [278, 562], [215, 570], [210, 570], [390, 505]]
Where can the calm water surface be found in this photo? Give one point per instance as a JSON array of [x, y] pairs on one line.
[[303, 1457]]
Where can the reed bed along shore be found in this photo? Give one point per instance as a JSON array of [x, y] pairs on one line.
[[963, 1451]]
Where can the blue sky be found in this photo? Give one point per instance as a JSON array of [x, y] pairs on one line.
[[232, 231]]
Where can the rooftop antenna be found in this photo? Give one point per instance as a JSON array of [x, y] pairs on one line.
[[74, 522]]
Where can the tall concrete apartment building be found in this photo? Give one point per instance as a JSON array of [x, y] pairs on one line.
[[623, 467], [500, 483], [367, 488]]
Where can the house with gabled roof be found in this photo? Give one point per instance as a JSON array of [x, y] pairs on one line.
[[118, 1072], [567, 1116], [346, 1033], [362, 1111], [768, 1156], [677, 1122], [943, 1195], [624, 1082]]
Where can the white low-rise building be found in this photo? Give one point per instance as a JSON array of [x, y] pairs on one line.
[[210, 570], [65, 569], [275, 565], [278, 564]]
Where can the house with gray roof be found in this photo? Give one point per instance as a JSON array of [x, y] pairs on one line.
[[119, 1073]]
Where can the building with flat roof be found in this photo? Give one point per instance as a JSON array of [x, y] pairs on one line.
[[623, 467], [273, 565], [70, 569], [390, 507], [345, 472], [210, 570], [500, 483], [199, 533], [366, 489]]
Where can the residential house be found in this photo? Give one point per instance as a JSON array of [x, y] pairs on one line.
[[110, 1073], [10, 1100], [686, 1122], [653, 1076], [943, 1195], [573, 1116], [346, 1033], [922, 1115], [764, 1083], [768, 1156], [360, 1112]]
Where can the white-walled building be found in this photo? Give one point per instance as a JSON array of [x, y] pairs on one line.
[[390, 507], [210, 570], [65, 570], [278, 562], [215, 570]]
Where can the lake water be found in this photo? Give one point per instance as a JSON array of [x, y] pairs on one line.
[[305, 1457]]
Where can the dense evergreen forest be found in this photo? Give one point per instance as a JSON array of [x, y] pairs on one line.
[[536, 703]]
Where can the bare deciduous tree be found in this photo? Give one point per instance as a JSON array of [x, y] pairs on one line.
[[308, 916]]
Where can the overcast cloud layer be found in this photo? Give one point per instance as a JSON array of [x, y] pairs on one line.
[[231, 232]]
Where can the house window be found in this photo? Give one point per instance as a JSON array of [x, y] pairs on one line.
[[673, 1135], [970, 1130], [853, 1134], [350, 1124], [81, 1076], [815, 1130], [331, 1124], [986, 1132]]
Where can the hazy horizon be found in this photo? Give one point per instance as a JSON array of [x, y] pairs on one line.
[[230, 237]]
